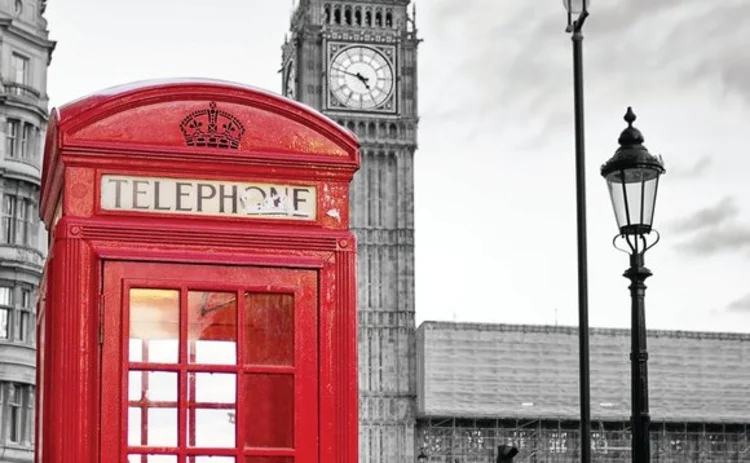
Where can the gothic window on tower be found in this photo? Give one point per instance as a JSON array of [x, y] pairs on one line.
[[358, 16], [393, 131], [337, 15], [388, 19], [378, 18], [348, 15], [327, 13], [368, 18]]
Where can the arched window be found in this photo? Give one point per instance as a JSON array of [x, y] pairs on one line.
[[382, 131], [378, 19], [350, 126], [358, 17], [348, 16], [393, 131], [371, 130], [337, 15], [388, 19], [361, 129], [327, 10], [368, 18]]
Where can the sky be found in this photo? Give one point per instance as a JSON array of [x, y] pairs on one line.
[[495, 179]]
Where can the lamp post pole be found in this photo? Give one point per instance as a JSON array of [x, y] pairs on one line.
[[637, 273], [580, 7], [632, 175]]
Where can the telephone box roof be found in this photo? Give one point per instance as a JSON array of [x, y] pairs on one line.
[[79, 106], [162, 119]]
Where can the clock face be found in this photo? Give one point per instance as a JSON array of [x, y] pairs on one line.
[[361, 77], [290, 83]]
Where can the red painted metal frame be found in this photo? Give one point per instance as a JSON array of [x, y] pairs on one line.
[[133, 131]]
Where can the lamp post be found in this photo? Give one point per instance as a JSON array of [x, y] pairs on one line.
[[580, 8], [422, 458], [632, 175]]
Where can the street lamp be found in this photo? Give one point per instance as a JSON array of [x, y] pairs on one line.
[[422, 458], [632, 176], [580, 8]]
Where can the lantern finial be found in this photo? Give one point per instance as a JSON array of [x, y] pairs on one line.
[[630, 137], [629, 116]]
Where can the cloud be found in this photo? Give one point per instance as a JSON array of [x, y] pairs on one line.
[[514, 62], [740, 305], [699, 168], [730, 239], [711, 217]]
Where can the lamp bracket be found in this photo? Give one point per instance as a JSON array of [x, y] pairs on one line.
[[637, 243]]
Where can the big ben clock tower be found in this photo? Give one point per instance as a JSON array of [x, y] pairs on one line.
[[356, 61]]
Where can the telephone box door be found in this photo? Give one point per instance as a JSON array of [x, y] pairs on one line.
[[209, 364]]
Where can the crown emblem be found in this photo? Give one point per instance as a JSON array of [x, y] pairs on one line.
[[212, 127]]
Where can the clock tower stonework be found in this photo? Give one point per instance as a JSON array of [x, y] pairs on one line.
[[356, 61]]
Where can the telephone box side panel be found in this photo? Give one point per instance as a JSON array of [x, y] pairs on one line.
[[72, 346], [42, 354], [338, 356], [347, 308], [51, 186]]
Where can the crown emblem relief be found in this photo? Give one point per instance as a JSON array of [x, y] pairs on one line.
[[213, 128]]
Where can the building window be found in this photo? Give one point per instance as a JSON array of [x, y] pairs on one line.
[[20, 69], [25, 319], [22, 231], [6, 309], [37, 145], [20, 412], [19, 223], [27, 142], [28, 428], [14, 413], [11, 138], [25, 224], [9, 217]]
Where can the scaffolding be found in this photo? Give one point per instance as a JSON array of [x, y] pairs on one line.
[[455, 440]]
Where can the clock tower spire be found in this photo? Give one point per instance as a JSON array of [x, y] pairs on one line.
[[356, 61]]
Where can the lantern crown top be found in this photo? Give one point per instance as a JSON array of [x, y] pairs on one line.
[[630, 136], [631, 154]]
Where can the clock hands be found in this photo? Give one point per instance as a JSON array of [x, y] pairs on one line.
[[359, 76], [364, 80]]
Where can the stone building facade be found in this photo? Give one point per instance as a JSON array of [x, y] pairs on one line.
[[25, 53]]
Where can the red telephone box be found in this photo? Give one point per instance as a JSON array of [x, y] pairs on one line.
[[198, 302]]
